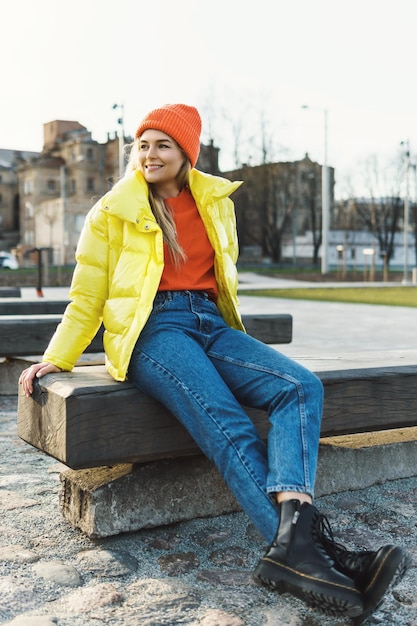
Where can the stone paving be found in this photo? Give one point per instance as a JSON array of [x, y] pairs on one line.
[[196, 573]]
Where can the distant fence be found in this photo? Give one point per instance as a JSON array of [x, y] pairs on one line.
[[28, 277]]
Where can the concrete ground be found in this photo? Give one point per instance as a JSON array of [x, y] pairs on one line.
[[328, 328]]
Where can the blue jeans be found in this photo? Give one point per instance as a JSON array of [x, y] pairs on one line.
[[190, 360]]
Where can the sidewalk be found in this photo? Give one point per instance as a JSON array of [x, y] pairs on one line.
[[327, 328], [256, 281], [334, 327]]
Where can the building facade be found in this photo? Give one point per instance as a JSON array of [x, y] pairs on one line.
[[9, 196], [57, 187], [45, 196], [278, 204]]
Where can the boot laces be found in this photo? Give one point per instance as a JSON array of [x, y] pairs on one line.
[[348, 560]]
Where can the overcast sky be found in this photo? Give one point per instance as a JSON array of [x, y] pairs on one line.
[[238, 61]]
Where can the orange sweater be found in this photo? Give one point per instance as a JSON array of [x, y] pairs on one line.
[[197, 272]]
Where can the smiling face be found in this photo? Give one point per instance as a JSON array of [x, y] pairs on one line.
[[160, 160]]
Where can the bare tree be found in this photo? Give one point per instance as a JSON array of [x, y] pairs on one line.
[[274, 198], [311, 198], [279, 207], [264, 206], [226, 127], [381, 211]]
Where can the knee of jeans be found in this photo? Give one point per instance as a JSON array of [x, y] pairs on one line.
[[315, 385], [311, 384]]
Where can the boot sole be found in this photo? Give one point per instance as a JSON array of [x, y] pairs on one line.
[[335, 602], [388, 575]]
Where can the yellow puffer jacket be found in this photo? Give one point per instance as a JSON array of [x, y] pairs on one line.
[[119, 266]]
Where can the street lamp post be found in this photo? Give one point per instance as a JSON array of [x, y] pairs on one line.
[[121, 138], [325, 199], [65, 233], [406, 208]]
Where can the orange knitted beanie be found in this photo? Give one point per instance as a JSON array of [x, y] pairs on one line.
[[179, 121]]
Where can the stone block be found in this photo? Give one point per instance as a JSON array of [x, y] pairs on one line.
[[111, 500], [10, 370]]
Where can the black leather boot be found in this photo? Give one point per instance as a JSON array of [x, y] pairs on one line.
[[297, 563], [375, 572]]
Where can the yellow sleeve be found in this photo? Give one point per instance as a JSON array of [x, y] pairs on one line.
[[88, 293]]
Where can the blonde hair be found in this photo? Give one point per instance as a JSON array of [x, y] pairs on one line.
[[162, 213]]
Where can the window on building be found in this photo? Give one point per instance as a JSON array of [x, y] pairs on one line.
[[72, 186], [90, 184], [79, 222], [51, 185], [90, 154], [28, 187], [29, 237]]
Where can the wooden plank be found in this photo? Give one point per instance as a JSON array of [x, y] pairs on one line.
[[30, 334], [269, 328], [33, 307], [86, 419], [22, 335], [10, 292]]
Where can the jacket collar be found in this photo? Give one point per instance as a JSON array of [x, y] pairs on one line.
[[208, 188], [129, 197]]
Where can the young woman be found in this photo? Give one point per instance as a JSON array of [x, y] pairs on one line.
[[156, 261]]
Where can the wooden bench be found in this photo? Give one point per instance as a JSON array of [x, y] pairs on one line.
[[32, 307], [26, 328], [10, 292], [28, 333], [139, 451], [86, 419]]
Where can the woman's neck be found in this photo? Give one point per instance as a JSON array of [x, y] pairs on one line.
[[169, 190]]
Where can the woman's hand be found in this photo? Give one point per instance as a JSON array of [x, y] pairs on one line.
[[38, 370]]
